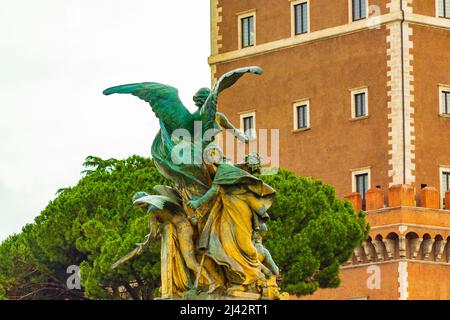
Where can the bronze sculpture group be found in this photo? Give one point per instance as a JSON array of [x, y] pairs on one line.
[[212, 220]]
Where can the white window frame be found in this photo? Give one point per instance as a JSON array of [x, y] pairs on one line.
[[350, 12], [299, 103], [353, 93], [443, 88], [437, 10], [293, 4], [442, 169], [356, 172], [247, 114], [243, 15]]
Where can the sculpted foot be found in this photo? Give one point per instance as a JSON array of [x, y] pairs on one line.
[[213, 287], [191, 293]]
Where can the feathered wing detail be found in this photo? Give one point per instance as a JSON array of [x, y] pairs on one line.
[[163, 99], [158, 201], [209, 109], [168, 192], [230, 78]]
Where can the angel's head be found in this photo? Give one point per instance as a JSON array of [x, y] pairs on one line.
[[201, 96]]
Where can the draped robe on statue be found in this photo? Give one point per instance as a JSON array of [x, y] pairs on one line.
[[227, 233], [226, 227]]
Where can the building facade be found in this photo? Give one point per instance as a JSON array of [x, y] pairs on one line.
[[407, 255], [359, 90]]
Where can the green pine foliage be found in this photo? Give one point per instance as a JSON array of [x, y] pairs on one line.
[[90, 225], [94, 223]]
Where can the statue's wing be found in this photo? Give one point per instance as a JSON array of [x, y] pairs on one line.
[[209, 109], [168, 192], [163, 99], [158, 201], [230, 78]]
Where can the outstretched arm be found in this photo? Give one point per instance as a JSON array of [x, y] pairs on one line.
[[209, 109], [226, 124], [211, 193], [153, 224], [270, 263], [140, 246]]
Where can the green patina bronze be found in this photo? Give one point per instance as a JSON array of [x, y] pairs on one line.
[[173, 115], [211, 220]]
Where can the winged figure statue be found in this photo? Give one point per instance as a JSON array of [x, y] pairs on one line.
[[215, 210], [173, 115], [168, 108]]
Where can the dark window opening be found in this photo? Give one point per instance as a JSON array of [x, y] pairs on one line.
[[362, 185], [359, 9], [248, 125], [446, 102], [302, 117], [301, 18], [444, 9], [445, 185], [248, 32], [360, 105]]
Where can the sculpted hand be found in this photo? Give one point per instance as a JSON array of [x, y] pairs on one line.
[[194, 204], [244, 138], [266, 271], [141, 246]]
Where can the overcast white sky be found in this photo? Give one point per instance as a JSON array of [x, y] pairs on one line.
[[56, 57]]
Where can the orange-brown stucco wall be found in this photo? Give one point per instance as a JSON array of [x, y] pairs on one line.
[[428, 281], [425, 281], [354, 285], [431, 68], [324, 72], [273, 18], [425, 7]]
